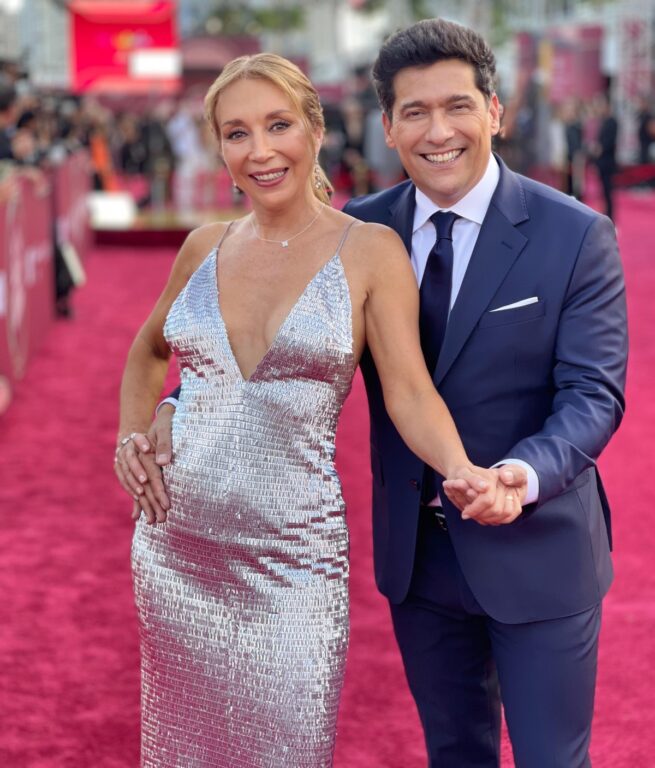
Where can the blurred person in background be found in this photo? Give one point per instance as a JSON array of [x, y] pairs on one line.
[[131, 150], [383, 163], [27, 145], [645, 129], [353, 116], [646, 138], [7, 118], [130, 154], [603, 149], [160, 159], [98, 123], [333, 145], [575, 161], [242, 595], [192, 157]]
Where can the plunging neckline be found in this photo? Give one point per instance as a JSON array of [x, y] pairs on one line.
[[281, 327]]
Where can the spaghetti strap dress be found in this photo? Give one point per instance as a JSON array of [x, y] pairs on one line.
[[242, 595]]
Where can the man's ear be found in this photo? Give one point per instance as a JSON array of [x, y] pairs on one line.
[[386, 122]]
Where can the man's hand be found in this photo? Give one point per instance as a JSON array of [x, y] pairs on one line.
[[497, 508], [138, 464], [160, 435]]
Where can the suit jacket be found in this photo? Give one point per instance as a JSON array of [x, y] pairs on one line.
[[542, 382]]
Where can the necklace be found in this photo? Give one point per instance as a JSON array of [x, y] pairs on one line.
[[285, 243]]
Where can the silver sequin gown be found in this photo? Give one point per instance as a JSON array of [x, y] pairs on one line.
[[242, 595]]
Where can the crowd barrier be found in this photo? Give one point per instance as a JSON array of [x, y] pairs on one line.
[[37, 213]]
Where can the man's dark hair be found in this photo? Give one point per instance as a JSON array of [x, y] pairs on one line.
[[425, 43]]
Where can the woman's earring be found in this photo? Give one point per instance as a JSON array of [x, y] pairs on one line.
[[318, 175]]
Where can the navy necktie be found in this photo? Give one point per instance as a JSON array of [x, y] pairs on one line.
[[433, 315], [436, 287]]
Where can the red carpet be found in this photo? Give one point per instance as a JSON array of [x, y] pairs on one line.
[[68, 641]]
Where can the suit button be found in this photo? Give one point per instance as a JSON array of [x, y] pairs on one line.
[[415, 484]]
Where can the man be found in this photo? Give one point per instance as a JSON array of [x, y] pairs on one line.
[[645, 136], [645, 130], [532, 367], [604, 150], [7, 119]]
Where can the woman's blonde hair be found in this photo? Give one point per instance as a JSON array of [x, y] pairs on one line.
[[286, 76]]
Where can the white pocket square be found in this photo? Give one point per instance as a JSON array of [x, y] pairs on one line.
[[516, 304]]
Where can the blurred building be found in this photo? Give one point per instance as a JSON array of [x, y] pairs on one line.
[[45, 43], [10, 48]]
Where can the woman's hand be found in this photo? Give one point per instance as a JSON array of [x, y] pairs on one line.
[[466, 485], [138, 463], [500, 504]]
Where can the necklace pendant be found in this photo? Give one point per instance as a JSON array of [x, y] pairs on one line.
[[285, 243]]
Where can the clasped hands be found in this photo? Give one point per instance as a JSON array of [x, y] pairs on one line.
[[487, 496]]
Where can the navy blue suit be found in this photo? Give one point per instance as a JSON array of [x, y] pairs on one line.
[[542, 382]]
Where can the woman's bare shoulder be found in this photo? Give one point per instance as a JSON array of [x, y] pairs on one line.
[[199, 243], [372, 242]]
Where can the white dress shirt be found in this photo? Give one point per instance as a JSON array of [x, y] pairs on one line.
[[472, 209]]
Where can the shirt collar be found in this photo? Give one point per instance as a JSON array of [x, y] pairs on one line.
[[473, 206]]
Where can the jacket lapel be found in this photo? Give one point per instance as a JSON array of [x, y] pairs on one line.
[[497, 248], [402, 215]]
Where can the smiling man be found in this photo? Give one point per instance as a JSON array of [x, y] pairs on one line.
[[523, 323]]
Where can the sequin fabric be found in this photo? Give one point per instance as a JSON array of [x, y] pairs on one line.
[[242, 595]]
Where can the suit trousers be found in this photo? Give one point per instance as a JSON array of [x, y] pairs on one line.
[[460, 662]]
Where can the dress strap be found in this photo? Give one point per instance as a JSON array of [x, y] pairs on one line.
[[344, 236], [224, 235]]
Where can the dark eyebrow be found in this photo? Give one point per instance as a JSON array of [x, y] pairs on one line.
[[456, 97], [269, 116], [412, 104], [460, 97]]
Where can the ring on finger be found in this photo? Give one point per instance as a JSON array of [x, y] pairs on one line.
[[127, 439], [122, 443]]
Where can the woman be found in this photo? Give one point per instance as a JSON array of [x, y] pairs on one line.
[[243, 594]]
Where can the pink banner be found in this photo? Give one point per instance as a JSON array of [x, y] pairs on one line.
[[26, 273], [575, 63]]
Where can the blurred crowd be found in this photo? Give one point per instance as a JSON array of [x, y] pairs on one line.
[[157, 150], [355, 155], [578, 152], [161, 152]]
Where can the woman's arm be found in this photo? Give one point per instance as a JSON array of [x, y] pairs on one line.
[[415, 407], [147, 365]]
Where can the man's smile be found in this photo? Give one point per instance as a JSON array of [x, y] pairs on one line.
[[443, 158]]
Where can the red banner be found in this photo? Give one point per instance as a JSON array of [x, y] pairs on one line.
[[26, 274], [124, 47]]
